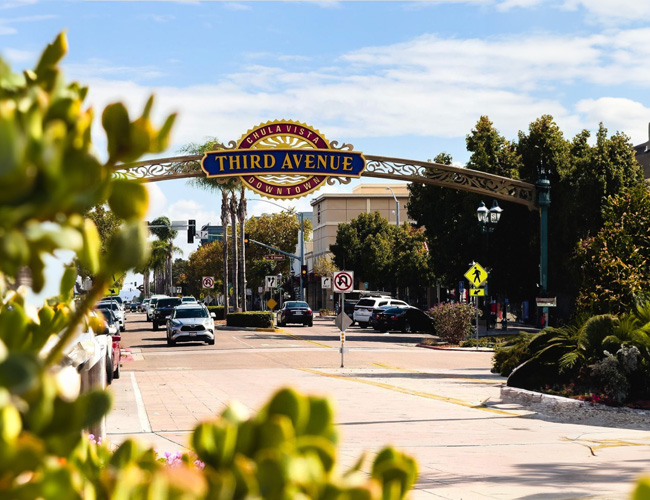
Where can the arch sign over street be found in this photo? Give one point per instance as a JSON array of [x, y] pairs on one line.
[[283, 159]]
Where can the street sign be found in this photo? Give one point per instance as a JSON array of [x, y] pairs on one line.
[[476, 275], [343, 281], [270, 282], [207, 281], [113, 291], [204, 235], [260, 289], [546, 301], [179, 289], [477, 292], [274, 256], [325, 282], [271, 303], [342, 321]]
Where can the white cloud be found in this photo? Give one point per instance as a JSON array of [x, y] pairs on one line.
[[609, 12], [617, 114], [19, 56], [429, 86]]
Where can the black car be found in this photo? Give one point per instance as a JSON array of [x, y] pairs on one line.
[[405, 319], [295, 311], [164, 308]]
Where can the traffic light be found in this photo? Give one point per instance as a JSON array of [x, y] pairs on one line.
[[303, 271], [191, 230], [246, 242]]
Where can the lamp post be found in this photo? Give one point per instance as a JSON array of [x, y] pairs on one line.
[[396, 206], [488, 220], [543, 186]]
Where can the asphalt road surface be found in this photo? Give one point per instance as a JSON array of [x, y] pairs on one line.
[[443, 407]]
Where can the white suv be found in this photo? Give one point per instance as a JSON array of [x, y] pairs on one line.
[[363, 308]]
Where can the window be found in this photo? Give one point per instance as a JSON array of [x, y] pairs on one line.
[[318, 213]]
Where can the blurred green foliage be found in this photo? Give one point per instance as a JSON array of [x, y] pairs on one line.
[[50, 178]]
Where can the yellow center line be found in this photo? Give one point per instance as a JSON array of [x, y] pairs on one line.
[[298, 337], [437, 375], [402, 390]]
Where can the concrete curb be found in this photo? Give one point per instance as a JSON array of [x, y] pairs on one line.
[[576, 411], [464, 349], [247, 329]]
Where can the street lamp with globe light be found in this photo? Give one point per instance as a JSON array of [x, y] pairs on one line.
[[396, 206]]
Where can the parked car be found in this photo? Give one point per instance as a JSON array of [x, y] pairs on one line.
[[363, 308], [190, 322], [405, 319], [375, 312], [188, 300], [142, 307], [163, 310], [295, 311], [113, 351], [114, 306]]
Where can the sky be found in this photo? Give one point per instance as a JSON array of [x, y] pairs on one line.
[[405, 79]]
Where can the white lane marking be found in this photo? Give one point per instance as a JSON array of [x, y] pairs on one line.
[[139, 403]]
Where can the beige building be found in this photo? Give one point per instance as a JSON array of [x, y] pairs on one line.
[[329, 210]]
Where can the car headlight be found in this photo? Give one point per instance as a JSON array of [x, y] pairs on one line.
[[175, 322]]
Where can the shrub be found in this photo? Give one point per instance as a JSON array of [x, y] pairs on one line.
[[511, 354], [218, 310], [453, 321], [611, 374], [251, 319]]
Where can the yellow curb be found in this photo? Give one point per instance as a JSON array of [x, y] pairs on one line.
[[438, 375], [412, 393]]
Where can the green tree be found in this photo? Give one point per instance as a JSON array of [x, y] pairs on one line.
[[207, 260], [278, 230], [615, 263], [410, 263], [363, 245], [107, 224], [491, 152]]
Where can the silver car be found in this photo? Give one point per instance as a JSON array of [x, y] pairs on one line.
[[189, 322]]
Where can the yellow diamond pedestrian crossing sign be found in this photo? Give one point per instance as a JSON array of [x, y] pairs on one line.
[[476, 275]]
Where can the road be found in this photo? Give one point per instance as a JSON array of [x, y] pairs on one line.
[[443, 407]]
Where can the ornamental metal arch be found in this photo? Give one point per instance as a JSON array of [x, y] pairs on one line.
[[380, 167]]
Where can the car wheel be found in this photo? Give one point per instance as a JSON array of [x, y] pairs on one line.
[[170, 342], [383, 330], [123, 328], [363, 325], [109, 371], [155, 326], [210, 342], [116, 373], [406, 328]]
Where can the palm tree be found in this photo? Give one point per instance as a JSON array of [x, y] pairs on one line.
[[157, 263], [225, 188], [235, 262], [241, 215], [161, 228]]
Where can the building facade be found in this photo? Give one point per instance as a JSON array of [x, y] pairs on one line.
[[332, 209]]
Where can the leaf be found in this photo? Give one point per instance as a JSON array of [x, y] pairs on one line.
[[115, 120]]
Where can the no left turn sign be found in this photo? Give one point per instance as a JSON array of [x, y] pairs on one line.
[[343, 281], [208, 281]]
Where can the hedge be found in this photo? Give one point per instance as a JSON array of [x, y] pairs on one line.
[[255, 319], [218, 310]]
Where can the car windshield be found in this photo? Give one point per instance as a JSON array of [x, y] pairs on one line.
[[366, 302], [189, 299], [168, 303], [191, 313], [297, 305], [107, 315]]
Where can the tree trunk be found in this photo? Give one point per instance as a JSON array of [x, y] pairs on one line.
[[145, 282], [235, 263], [224, 223], [168, 270], [241, 215]]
